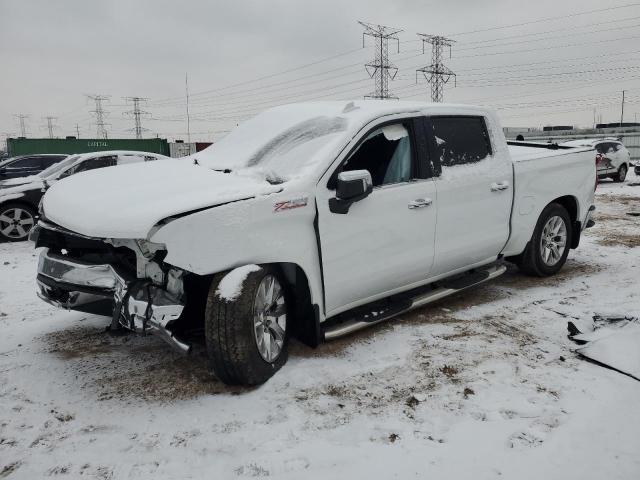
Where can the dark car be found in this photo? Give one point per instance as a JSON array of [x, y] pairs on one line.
[[20, 197], [26, 165]]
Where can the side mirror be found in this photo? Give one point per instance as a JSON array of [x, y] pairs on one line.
[[351, 187]]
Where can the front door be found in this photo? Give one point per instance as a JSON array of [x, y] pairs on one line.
[[474, 190], [385, 242]]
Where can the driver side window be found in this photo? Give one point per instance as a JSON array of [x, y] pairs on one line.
[[386, 153]]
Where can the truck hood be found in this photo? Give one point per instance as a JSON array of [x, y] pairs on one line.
[[128, 200]]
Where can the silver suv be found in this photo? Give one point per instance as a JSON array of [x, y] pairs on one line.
[[612, 157]]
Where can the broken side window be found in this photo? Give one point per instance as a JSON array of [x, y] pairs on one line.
[[386, 153]]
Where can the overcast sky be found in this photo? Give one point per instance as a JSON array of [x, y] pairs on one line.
[[244, 56]]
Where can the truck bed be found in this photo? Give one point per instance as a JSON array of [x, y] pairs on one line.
[[540, 172]]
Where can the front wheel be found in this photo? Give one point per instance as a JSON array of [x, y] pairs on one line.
[[621, 175], [548, 248], [246, 325], [16, 221]]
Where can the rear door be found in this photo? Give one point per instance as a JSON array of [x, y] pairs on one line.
[[384, 243], [474, 188]]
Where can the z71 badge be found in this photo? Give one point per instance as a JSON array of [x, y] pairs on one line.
[[290, 204]]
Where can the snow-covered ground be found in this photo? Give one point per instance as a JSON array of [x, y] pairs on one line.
[[482, 385]]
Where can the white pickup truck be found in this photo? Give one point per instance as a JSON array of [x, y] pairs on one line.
[[310, 220]]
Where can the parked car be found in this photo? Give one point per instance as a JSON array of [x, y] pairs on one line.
[[612, 157], [19, 197], [311, 220], [26, 165]]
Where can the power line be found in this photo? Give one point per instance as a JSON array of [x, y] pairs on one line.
[[247, 82], [437, 74], [137, 114], [254, 92], [100, 114], [546, 19], [21, 117], [186, 88], [555, 37], [380, 69], [50, 125]]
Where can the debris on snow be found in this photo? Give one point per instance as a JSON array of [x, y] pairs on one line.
[[612, 341]]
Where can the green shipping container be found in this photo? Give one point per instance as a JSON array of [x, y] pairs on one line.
[[28, 146]]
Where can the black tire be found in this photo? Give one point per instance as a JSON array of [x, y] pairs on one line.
[[12, 232], [621, 175], [531, 261], [232, 346]]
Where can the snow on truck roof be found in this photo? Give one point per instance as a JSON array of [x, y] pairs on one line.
[[288, 141]]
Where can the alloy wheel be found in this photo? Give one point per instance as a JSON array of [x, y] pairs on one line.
[[553, 241], [16, 223], [269, 318]]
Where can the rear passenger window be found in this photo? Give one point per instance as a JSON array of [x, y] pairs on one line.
[[460, 140]]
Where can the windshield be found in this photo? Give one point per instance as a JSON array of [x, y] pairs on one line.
[[278, 144], [58, 167]]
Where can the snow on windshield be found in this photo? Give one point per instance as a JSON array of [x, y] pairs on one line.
[[278, 144], [295, 136]]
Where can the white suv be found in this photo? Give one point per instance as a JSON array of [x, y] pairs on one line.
[[612, 157]]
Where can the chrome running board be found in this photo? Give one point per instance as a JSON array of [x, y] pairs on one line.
[[355, 323]]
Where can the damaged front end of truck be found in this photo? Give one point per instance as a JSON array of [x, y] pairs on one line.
[[126, 280]]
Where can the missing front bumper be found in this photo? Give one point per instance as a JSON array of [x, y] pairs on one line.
[[101, 289]]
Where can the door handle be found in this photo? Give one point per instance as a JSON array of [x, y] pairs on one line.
[[499, 186], [420, 203]]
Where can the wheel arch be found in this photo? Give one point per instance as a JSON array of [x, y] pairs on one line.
[[306, 314], [305, 324], [570, 203], [21, 200]]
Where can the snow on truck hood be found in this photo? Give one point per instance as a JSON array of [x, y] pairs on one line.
[[128, 200]]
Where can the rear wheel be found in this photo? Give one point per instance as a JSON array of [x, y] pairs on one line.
[[621, 175], [547, 251], [247, 337], [16, 221]]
